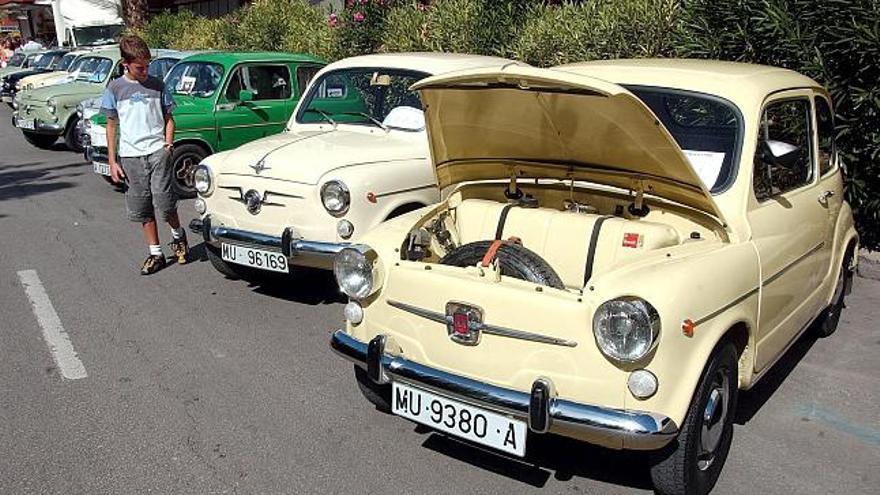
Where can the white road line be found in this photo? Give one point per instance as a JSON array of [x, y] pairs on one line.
[[53, 333]]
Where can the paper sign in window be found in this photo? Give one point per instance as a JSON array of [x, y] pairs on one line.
[[707, 164]]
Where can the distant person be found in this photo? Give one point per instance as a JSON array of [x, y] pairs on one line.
[[139, 108], [5, 52], [32, 45]]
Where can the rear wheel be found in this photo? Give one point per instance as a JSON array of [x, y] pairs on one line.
[[378, 395], [184, 160], [827, 323], [42, 141], [691, 464], [73, 136]]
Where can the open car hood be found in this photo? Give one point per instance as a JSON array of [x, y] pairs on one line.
[[490, 123]]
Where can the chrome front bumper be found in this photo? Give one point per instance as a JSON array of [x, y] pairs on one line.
[[612, 428], [298, 251], [42, 127]]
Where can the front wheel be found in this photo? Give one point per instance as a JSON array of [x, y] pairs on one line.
[[691, 464], [42, 141], [73, 136], [184, 160]]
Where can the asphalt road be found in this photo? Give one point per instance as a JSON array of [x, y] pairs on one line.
[[197, 384]]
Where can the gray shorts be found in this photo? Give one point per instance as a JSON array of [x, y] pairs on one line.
[[149, 186]]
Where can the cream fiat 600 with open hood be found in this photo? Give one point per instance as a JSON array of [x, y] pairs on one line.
[[624, 245], [354, 154]]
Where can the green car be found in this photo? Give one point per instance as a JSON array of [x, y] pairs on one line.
[[223, 100], [45, 114]]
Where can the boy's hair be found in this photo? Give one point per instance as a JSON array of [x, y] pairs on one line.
[[134, 48]]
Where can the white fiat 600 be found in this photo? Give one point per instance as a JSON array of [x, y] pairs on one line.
[[355, 153]]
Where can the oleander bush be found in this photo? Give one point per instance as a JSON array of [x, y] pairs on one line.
[[837, 42]]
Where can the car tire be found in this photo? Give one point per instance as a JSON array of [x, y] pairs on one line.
[[220, 265], [516, 261], [73, 136], [830, 317], [42, 141], [692, 462], [378, 395], [184, 159]]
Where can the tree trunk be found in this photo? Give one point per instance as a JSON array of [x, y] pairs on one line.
[[135, 12]]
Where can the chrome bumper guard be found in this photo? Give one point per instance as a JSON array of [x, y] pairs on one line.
[[544, 413], [299, 252]]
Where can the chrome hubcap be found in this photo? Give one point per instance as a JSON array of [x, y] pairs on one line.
[[184, 170], [714, 418]]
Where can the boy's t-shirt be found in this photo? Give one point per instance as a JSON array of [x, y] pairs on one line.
[[140, 109]]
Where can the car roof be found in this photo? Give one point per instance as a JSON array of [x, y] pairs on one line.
[[734, 81], [428, 62], [226, 57]]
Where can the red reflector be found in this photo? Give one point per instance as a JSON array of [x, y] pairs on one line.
[[687, 327], [631, 240], [460, 323]]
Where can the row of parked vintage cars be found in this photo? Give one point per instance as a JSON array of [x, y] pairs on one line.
[[608, 251]]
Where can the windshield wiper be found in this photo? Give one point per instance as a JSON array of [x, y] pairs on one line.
[[324, 114], [368, 117]]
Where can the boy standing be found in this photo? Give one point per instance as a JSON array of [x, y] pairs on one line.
[[139, 108]]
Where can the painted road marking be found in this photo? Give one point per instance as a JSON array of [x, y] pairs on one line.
[[53, 332]]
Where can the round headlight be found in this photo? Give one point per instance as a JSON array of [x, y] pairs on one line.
[[626, 329], [356, 271], [335, 197], [203, 181], [52, 104], [79, 110]]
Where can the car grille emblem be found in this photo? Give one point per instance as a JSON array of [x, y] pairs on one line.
[[253, 201], [464, 323]]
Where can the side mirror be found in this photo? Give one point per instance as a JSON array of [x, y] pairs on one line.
[[245, 96], [780, 153]]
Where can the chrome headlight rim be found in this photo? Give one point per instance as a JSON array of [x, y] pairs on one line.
[[79, 110], [647, 312], [52, 105], [362, 261], [343, 191], [205, 176]]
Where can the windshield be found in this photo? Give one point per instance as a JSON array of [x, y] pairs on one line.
[[194, 79], [66, 62], [159, 67], [16, 60], [95, 69], [78, 64], [97, 35], [706, 128], [47, 61], [31, 59], [365, 96]]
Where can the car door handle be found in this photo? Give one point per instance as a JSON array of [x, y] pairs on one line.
[[823, 198], [225, 107]]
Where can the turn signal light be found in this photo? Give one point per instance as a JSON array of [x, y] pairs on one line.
[[687, 327]]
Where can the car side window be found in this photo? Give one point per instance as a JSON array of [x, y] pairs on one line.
[[304, 75], [269, 82], [825, 132], [783, 157], [235, 86]]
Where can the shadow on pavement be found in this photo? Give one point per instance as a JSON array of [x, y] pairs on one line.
[[549, 455], [751, 401], [304, 285], [24, 183]]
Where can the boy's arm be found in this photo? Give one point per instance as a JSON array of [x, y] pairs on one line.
[[108, 108], [167, 108]]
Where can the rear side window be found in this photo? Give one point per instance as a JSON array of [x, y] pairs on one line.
[[268, 82], [783, 157], [304, 75], [825, 132]]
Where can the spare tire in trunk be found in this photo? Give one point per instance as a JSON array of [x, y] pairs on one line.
[[516, 261]]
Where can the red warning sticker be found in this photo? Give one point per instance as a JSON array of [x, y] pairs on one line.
[[632, 240]]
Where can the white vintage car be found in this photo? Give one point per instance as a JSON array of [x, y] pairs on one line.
[[624, 246], [354, 154]]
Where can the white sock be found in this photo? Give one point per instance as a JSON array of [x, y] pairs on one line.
[[155, 250], [177, 233]]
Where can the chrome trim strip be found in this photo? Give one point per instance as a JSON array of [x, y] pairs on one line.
[[485, 328], [401, 191], [636, 430], [254, 176], [726, 307], [793, 263]]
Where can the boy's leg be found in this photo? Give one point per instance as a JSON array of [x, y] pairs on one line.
[[139, 203], [165, 201]]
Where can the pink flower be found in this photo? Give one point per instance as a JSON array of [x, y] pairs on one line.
[[363, 2], [358, 17], [349, 3], [333, 20]]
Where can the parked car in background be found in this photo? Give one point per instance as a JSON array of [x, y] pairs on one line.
[[223, 100], [48, 62], [354, 155], [21, 60], [46, 114], [94, 135], [66, 71], [626, 245]]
